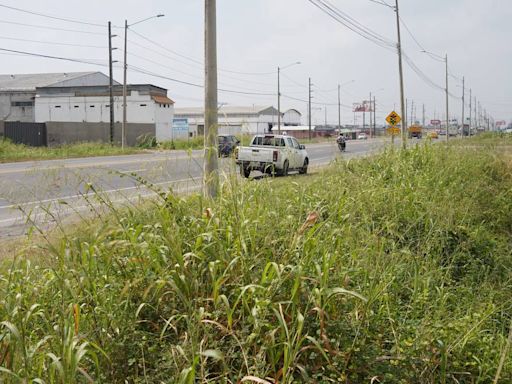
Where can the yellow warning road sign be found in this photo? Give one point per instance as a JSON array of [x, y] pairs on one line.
[[393, 118], [393, 131]]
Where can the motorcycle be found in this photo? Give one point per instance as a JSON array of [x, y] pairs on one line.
[[342, 145]]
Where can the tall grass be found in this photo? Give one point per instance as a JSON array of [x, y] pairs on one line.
[[10, 152], [395, 269]]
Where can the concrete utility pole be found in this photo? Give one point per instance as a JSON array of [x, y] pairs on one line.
[[325, 119], [211, 166], [371, 115], [374, 117], [278, 100], [463, 99], [309, 108], [339, 107], [423, 116], [412, 112], [476, 116], [110, 83], [470, 120], [125, 66], [447, 115], [400, 70]]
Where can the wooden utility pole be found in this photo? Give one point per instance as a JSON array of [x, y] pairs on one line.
[[211, 166], [309, 107], [463, 99], [401, 73], [111, 83]]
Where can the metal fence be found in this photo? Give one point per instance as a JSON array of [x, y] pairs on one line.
[[33, 134]]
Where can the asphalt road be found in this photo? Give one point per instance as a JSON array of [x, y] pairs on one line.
[[45, 192]]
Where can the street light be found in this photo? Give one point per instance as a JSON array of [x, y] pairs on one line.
[[279, 94], [339, 101], [445, 59], [123, 127]]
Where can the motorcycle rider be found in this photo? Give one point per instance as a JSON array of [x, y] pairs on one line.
[[341, 142]]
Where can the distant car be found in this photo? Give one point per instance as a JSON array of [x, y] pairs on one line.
[[227, 145], [433, 135], [362, 136]]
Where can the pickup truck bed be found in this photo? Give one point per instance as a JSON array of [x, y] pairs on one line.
[[273, 154]]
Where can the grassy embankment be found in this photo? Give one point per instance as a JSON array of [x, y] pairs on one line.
[[395, 269], [10, 152]]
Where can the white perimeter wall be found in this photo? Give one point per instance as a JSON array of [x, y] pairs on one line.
[[140, 109]]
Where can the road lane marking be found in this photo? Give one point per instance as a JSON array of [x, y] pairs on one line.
[[92, 193]]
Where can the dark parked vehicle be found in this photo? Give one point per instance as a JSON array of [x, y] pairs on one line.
[[227, 144]]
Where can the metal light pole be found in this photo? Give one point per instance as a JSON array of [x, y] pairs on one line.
[[125, 67], [279, 94]]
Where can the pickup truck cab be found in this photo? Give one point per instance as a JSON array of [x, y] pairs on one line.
[[273, 154]]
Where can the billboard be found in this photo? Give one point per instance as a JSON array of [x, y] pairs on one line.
[[365, 106], [180, 125]]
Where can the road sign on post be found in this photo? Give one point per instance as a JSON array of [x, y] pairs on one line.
[[393, 119]]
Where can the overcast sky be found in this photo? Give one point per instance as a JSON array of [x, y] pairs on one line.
[[256, 36]]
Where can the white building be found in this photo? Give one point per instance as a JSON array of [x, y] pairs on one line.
[[239, 120], [18, 91], [146, 104]]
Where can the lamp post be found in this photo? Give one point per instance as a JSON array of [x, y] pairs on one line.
[[339, 102], [445, 59], [125, 67], [279, 94]]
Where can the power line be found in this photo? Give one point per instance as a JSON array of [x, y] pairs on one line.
[[83, 61], [52, 42], [352, 24], [53, 17], [51, 28], [198, 62]]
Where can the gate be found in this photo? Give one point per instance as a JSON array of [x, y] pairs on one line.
[[33, 134]]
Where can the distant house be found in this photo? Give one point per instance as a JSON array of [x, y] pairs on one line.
[[236, 120], [18, 91]]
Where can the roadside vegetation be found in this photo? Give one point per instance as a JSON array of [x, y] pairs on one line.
[[391, 269], [487, 138], [10, 152]]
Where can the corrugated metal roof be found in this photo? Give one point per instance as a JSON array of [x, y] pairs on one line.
[[29, 82], [162, 99], [228, 110]]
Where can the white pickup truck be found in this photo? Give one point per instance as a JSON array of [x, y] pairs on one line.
[[273, 154]]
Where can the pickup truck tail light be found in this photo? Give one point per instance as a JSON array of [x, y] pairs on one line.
[[276, 153]]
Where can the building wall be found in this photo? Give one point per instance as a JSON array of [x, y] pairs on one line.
[[59, 133], [141, 109], [292, 117], [17, 106], [164, 114], [236, 125]]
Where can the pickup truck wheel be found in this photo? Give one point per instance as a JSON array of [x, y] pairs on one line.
[[284, 171], [245, 172], [304, 168]]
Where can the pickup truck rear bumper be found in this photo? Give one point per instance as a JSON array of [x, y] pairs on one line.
[[263, 167]]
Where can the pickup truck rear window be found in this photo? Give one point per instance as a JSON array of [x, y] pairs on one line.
[[268, 141]]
